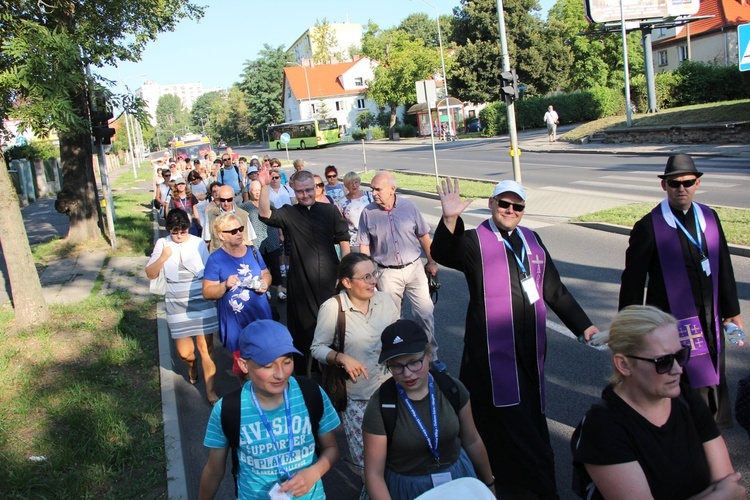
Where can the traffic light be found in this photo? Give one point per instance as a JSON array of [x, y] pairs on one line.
[[509, 84], [100, 119], [100, 126]]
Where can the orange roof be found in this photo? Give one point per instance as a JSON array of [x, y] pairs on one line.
[[322, 80], [725, 12]]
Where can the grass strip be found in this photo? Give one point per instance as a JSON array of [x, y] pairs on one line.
[[714, 112], [734, 221], [82, 391], [476, 190]]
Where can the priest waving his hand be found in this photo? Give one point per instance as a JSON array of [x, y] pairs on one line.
[[511, 276]]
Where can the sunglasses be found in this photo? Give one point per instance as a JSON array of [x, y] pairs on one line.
[[176, 233], [332, 176], [235, 230], [676, 184], [517, 207], [320, 184], [226, 159], [665, 363], [275, 178], [225, 200]]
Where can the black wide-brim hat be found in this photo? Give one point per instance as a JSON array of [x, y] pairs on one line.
[[680, 164]]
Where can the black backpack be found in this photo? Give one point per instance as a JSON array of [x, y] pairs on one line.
[[230, 417], [389, 396]]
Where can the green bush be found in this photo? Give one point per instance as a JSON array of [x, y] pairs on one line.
[[406, 130], [378, 132], [364, 119], [36, 149], [494, 119], [698, 82], [358, 135]]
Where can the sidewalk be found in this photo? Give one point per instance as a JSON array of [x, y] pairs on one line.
[[184, 408]]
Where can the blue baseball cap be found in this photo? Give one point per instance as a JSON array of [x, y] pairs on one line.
[[264, 340], [509, 187]]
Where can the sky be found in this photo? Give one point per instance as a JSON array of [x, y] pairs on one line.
[[213, 51]]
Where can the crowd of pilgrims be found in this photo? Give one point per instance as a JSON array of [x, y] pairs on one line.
[[225, 264]]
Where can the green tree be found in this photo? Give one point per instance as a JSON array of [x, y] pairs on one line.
[[205, 110], [364, 119], [261, 83], [401, 62], [424, 27], [46, 48], [478, 60], [233, 117], [171, 115], [323, 40]]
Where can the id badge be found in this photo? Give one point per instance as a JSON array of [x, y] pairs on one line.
[[440, 478], [275, 494], [706, 266], [529, 288]]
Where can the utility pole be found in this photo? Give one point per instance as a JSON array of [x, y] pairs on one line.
[[515, 152]]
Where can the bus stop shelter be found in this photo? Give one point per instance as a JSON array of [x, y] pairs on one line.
[[445, 107]]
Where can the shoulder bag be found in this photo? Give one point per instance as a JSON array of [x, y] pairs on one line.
[[334, 377]]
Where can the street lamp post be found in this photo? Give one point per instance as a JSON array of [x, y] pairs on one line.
[[442, 61]]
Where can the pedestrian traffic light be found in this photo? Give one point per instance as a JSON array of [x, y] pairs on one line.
[[100, 125], [509, 84]]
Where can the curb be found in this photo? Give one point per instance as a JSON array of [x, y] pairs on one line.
[[177, 487]]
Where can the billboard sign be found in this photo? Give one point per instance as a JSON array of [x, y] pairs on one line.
[[605, 11], [743, 43]]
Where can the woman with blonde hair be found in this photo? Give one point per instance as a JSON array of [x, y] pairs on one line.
[[352, 204], [650, 436]]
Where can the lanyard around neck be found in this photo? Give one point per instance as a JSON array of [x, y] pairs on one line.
[[697, 244], [290, 436], [433, 446]]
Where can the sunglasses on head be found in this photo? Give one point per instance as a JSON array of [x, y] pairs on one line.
[[686, 184], [225, 200], [517, 207], [665, 363], [235, 230]]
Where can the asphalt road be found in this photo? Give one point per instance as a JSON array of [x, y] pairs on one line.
[[590, 263], [629, 177]]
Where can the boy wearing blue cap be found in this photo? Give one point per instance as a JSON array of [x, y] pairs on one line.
[[277, 446]]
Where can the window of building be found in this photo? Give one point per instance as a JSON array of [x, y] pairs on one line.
[[662, 54], [360, 104], [682, 53], [359, 81], [340, 106]]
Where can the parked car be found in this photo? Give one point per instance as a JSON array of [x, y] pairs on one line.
[[474, 125]]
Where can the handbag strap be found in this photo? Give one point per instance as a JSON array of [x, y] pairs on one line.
[[340, 326]]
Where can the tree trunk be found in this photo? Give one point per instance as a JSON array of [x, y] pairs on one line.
[[26, 290], [79, 199], [394, 120]]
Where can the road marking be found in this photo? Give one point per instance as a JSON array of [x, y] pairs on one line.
[[626, 197], [609, 185]]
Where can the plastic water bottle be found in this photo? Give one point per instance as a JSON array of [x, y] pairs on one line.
[[734, 334]]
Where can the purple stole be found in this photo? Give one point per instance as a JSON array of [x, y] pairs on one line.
[[498, 312], [700, 369]]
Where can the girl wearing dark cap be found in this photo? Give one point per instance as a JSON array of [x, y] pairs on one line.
[[431, 442]]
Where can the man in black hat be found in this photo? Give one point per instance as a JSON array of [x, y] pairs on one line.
[[680, 247]]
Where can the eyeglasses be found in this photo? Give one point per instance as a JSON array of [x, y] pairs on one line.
[[235, 230], [226, 159], [413, 366], [320, 185], [225, 200], [332, 176], [275, 178], [686, 184], [179, 232], [369, 277], [665, 363], [517, 207]]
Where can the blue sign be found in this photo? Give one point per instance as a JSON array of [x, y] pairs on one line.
[[743, 42], [285, 138]]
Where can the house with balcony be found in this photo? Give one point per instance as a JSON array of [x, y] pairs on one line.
[[712, 40]]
